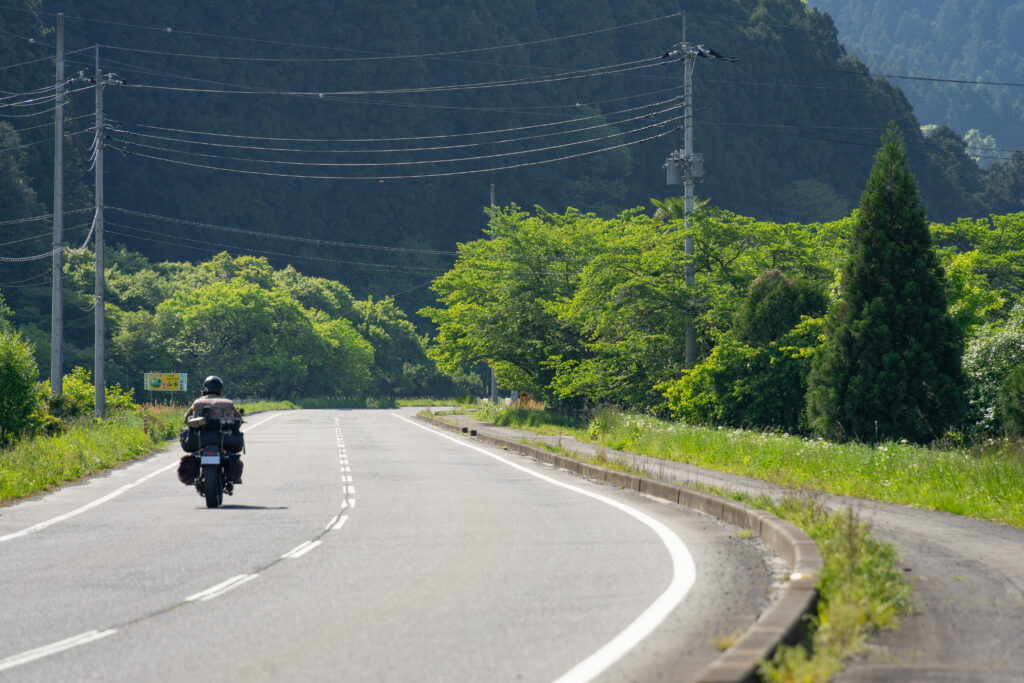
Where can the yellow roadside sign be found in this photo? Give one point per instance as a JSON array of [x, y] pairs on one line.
[[166, 381]]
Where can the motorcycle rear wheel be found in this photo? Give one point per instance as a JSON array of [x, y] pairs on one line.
[[213, 488]]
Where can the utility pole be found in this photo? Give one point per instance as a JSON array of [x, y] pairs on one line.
[[100, 370], [688, 64], [494, 377], [682, 166], [57, 297]]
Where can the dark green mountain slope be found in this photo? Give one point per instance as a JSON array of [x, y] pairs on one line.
[[948, 38], [787, 132]]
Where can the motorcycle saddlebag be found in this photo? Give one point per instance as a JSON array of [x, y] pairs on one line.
[[233, 441], [189, 439], [188, 469]]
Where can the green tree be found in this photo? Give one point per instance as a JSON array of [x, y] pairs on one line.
[[18, 375], [774, 305], [1011, 402], [992, 353], [890, 366]]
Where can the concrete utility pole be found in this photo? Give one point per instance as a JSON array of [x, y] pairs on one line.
[[683, 166], [494, 377], [100, 369], [57, 297], [688, 64]]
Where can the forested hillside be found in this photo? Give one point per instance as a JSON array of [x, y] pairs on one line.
[[978, 40], [354, 98]]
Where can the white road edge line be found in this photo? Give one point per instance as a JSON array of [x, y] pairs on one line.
[[684, 574], [54, 648], [221, 588], [99, 501]]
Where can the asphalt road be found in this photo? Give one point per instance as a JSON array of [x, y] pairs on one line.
[[968, 577], [363, 546]]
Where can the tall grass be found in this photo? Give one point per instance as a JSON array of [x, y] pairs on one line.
[[862, 590], [985, 482], [85, 447]]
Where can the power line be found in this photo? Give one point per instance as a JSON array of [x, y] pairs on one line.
[[42, 234], [44, 216], [417, 138], [23, 259], [593, 72], [859, 143], [170, 31], [41, 59], [386, 57], [28, 279], [419, 162], [419, 149], [290, 238], [403, 177], [214, 247], [26, 144]]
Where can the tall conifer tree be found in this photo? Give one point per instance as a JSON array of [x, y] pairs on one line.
[[890, 367]]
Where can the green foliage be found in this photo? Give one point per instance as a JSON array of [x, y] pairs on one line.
[[862, 591], [774, 305], [756, 170], [748, 386], [992, 354], [912, 37], [266, 332], [1011, 402], [18, 373], [78, 396], [890, 366], [43, 462], [499, 298]]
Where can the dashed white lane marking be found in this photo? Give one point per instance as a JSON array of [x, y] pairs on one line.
[[302, 550], [53, 648], [331, 523], [99, 501], [221, 588], [341, 522], [684, 574]]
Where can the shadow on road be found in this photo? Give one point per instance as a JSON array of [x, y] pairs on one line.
[[246, 507]]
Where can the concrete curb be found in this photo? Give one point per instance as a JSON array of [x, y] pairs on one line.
[[784, 622]]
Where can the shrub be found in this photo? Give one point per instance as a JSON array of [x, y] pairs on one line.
[[18, 374], [747, 386], [1011, 402], [991, 355], [78, 396], [774, 305]]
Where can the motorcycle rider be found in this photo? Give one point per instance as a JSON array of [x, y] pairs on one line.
[[205, 414]]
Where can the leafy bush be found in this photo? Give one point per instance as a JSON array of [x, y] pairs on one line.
[[1011, 402], [748, 386], [18, 373], [991, 355], [78, 396], [774, 305]]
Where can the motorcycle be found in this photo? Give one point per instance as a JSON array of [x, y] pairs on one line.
[[215, 459]]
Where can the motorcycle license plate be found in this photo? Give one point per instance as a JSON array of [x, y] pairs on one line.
[[209, 460]]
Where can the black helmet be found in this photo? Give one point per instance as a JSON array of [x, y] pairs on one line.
[[213, 385]]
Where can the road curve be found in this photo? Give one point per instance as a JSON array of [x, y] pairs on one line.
[[364, 547], [968, 577]]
